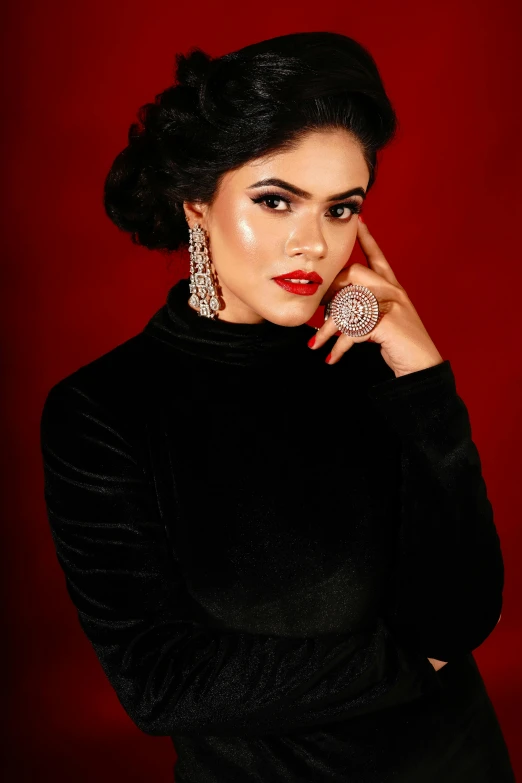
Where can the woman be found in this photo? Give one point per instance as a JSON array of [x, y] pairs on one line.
[[278, 542]]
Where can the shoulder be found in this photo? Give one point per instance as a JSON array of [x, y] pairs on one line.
[[91, 404], [107, 376], [114, 387]]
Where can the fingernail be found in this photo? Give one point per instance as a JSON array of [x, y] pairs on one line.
[[311, 341], [328, 358], [361, 218]]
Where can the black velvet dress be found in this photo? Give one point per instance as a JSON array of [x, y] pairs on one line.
[[264, 550]]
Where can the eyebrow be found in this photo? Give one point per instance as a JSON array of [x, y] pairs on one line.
[[280, 183]]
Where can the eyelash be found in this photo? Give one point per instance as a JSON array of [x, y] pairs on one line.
[[354, 206]]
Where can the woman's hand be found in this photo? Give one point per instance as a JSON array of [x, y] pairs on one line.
[[405, 344]]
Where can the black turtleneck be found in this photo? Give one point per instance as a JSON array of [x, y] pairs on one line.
[[262, 548], [239, 344]]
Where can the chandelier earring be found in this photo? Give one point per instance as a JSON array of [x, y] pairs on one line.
[[203, 296]]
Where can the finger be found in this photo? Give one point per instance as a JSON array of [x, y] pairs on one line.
[[373, 253], [360, 274], [341, 346], [323, 334]]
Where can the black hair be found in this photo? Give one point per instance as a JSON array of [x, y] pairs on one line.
[[223, 112]]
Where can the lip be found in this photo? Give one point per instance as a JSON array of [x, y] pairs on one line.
[[303, 289], [298, 274]]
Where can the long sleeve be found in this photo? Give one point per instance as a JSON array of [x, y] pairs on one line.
[[172, 674], [446, 592]]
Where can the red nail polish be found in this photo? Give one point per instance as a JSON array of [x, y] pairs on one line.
[[311, 341], [328, 358]]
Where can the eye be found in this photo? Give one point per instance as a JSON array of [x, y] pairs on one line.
[[353, 207], [271, 197]]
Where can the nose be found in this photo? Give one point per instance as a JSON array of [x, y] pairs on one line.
[[307, 239]]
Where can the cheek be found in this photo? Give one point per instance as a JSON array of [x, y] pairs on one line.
[[350, 237], [248, 231], [340, 247]]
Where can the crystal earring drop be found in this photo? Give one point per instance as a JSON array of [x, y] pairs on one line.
[[201, 277]]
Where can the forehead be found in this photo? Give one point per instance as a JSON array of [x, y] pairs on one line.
[[322, 162]]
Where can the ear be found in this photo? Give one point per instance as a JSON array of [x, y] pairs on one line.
[[195, 212]]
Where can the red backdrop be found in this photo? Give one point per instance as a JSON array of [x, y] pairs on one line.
[[446, 210]]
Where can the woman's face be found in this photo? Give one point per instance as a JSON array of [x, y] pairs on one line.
[[258, 232]]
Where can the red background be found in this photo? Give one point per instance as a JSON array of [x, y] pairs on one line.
[[446, 210]]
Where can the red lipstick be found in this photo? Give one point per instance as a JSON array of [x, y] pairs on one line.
[[304, 289]]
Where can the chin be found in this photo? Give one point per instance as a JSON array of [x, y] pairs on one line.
[[295, 316]]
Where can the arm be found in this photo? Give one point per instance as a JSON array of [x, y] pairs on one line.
[[446, 595], [170, 673]]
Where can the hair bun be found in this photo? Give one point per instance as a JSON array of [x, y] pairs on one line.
[[193, 69]]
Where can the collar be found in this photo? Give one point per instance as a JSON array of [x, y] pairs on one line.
[[243, 344]]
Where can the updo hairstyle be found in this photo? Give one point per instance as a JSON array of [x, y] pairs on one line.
[[221, 113]]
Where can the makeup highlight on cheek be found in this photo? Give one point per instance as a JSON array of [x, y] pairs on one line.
[[252, 226], [247, 237], [238, 243]]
